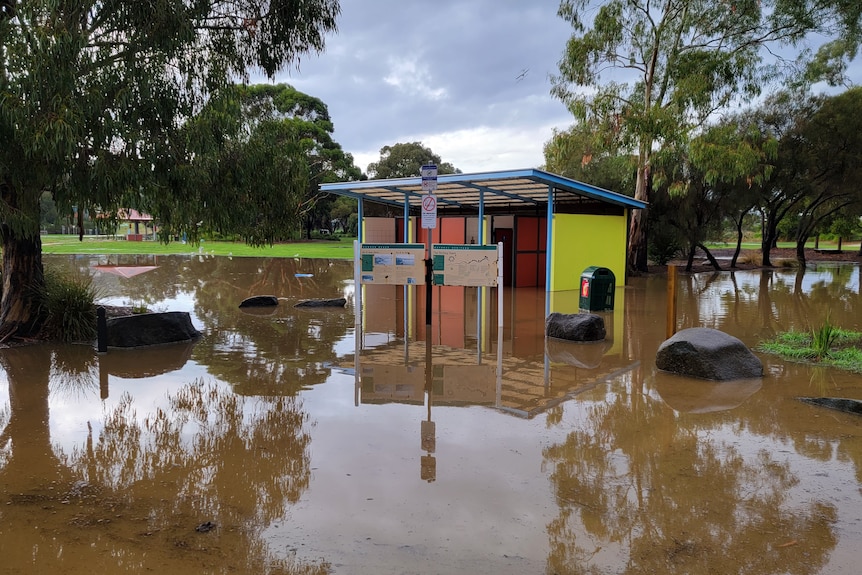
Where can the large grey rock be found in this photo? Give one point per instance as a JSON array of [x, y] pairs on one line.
[[150, 329], [575, 326], [708, 354], [335, 302], [259, 301]]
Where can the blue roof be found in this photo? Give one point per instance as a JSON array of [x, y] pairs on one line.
[[507, 188]]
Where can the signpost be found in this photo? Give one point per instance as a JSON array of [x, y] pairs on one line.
[[429, 222]]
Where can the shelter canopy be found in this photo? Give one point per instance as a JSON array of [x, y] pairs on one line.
[[507, 190]]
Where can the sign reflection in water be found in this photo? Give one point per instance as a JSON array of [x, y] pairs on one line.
[[568, 459]]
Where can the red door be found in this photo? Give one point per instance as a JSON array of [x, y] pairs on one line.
[[506, 236]]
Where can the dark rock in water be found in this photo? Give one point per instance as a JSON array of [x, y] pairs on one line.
[[335, 302], [259, 301], [841, 404], [575, 326], [205, 527], [150, 329], [708, 354]]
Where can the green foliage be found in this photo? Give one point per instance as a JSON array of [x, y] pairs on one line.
[[582, 153], [827, 345], [405, 161], [664, 245], [110, 105], [674, 64], [68, 307]]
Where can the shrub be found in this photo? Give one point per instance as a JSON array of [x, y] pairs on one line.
[[753, 257], [69, 308]]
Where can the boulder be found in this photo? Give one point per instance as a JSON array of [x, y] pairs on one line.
[[259, 301], [708, 353], [335, 302], [150, 329], [575, 326]]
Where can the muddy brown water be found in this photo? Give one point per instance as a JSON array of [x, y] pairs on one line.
[[266, 447]]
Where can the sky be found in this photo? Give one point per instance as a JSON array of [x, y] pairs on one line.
[[470, 79]]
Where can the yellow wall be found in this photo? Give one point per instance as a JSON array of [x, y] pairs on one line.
[[580, 241]]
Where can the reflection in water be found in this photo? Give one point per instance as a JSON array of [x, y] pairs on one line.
[[533, 456], [681, 499], [129, 496]]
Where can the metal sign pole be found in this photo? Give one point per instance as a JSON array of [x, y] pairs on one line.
[[429, 222]]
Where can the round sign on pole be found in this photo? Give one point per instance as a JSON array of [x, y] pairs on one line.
[[429, 211]]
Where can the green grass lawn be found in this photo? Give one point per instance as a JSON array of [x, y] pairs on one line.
[[69, 244]]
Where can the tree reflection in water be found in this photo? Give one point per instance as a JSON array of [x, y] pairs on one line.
[[131, 494], [678, 499]]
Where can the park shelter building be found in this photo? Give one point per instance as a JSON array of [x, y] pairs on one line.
[[552, 228]]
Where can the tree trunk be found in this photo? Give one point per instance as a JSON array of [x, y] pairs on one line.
[[637, 254], [739, 235], [769, 237], [800, 250], [23, 276], [710, 257]]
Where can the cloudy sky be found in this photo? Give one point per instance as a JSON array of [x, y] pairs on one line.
[[469, 79]]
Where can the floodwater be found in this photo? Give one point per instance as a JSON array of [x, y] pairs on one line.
[[272, 446]]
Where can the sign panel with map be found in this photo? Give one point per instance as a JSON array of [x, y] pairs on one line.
[[392, 264], [465, 265]]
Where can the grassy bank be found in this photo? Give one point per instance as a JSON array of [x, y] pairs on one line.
[[69, 244], [827, 346]]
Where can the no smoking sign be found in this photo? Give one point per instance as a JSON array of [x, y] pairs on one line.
[[429, 211]]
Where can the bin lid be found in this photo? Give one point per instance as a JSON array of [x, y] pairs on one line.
[[596, 271]]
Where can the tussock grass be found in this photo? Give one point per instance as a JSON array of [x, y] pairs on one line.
[[68, 307], [753, 257]]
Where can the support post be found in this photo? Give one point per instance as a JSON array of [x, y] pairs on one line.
[[549, 229]]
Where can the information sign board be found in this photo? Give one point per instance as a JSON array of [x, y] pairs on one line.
[[465, 265], [429, 177], [392, 264]]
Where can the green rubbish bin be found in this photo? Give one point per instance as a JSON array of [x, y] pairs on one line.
[[597, 289]]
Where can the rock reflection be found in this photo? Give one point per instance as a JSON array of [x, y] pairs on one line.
[[129, 496], [677, 499]]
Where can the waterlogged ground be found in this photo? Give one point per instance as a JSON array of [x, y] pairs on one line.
[[282, 443]]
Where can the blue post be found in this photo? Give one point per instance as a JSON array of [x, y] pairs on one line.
[[550, 236]]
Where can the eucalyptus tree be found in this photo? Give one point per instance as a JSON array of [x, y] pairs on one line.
[[817, 164], [309, 116], [734, 159], [404, 160], [650, 72], [95, 98], [823, 160], [583, 153]]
